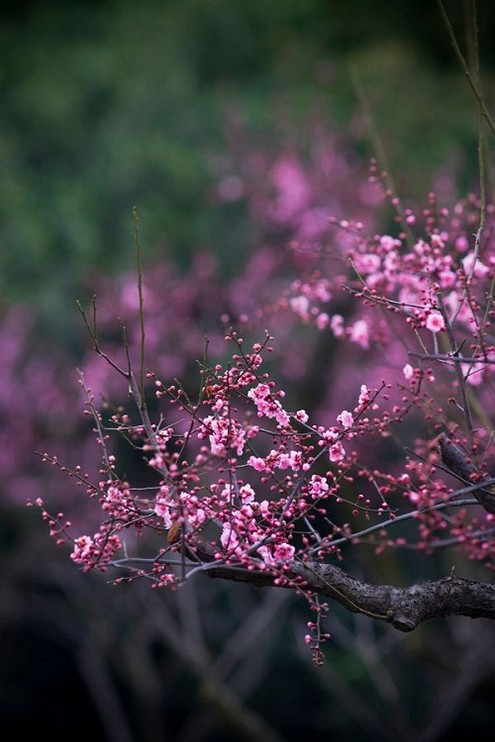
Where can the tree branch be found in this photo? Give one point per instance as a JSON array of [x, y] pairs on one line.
[[403, 607]]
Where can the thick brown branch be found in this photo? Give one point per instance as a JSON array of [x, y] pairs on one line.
[[405, 608], [459, 464]]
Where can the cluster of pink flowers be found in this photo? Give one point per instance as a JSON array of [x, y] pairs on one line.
[[288, 452], [255, 519], [247, 481]]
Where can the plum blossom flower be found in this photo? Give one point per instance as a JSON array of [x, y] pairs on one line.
[[473, 373], [368, 262], [322, 321], [461, 243], [268, 406], [84, 547], [388, 242], [435, 321], [277, 460], [224, 433], [359, 333], [98, 550], [302, 416], [280, 554], [293, 189], [337, 325], [408, 371], [229, 538], [336, 452], [246, 493], [364, 396], [346, 419], [475, 266], [258, 463], [300, 306], [165, 506], [318, 486], [290, 460]]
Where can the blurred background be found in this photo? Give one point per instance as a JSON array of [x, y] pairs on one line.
[[233, 128]]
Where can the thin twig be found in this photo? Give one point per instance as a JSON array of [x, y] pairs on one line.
[[142, 403], [469, 77]]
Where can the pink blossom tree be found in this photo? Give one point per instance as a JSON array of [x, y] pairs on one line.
[[249, 488], [244, 484]]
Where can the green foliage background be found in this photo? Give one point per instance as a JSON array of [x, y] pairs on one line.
[[106, 105]]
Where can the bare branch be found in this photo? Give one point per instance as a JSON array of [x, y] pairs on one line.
[[403, 607]]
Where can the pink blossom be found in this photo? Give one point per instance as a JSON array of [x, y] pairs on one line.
[[336, 452], [367, 263], [246, 493], [274, 556], [260, 392], [346, 419], [83, 549], [317, 486], [473, 372], [224, 433], [328, 435], [388, 242], [284, 552], [229, 538], [364, 396], [258, 463], [302, 416], [337, 325], [291, 459], [300, 305], [164, 508], [322, 321], [268, 406], [473, 265], [359, 333], [408, 371], [435, 322], [281, 416], [447, 279], [293, 189]]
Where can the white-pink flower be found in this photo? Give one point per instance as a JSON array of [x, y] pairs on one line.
[[359, 333], [435, 321], [346, 419], [284, 553], [274, 556], [364, 395], [229, 538], [473, 373], [322, 321], [336, 452], [317, 486], [337, 325], [164, 507], [246, 493], [473, 265], [300, 305], [258, 463], [408, 371], [83, 548]]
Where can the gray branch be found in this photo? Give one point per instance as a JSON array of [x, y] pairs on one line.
[[403, 607]]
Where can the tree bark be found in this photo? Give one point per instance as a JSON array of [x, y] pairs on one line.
[[403, 607]]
